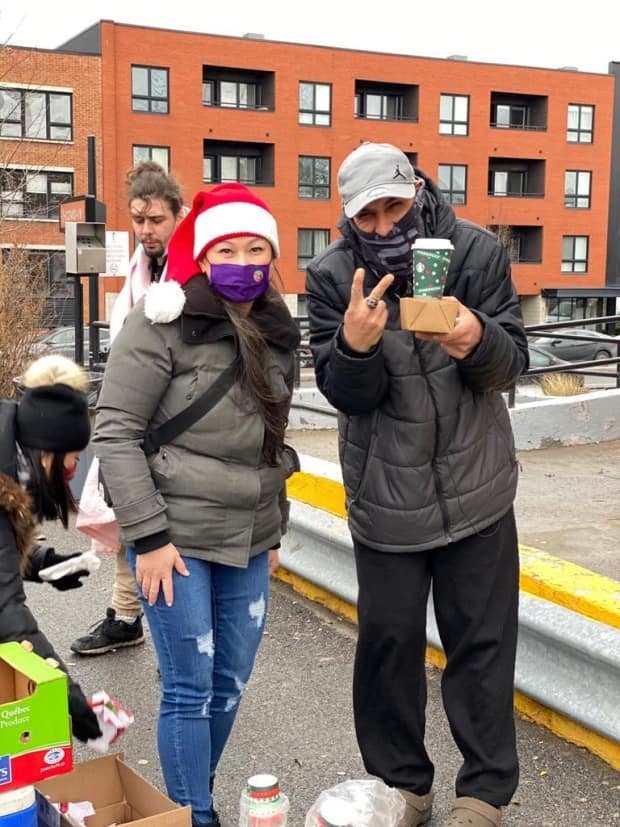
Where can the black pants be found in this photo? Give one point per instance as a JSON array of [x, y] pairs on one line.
[[475, 592]]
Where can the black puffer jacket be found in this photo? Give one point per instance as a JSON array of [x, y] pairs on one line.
[[426, 445], [16, 553]]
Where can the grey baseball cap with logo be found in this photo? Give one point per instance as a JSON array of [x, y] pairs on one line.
[[374, 171]]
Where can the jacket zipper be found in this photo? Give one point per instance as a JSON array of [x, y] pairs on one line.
[[438, 489]]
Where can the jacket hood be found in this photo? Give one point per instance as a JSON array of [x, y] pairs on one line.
[[16, 503], [204, 318], [8, 451], [13, 499]]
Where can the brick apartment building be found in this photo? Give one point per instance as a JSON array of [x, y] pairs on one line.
[[525, 151]]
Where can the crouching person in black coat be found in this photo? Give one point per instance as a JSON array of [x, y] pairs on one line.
[[41, 437]]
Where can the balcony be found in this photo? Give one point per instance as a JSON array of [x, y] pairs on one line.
[[523, 243], [385, 101], [526, 112], [243, 162], [232, 88], [516, 178]]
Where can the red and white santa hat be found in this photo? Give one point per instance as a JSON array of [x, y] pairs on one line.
[[226, 211]]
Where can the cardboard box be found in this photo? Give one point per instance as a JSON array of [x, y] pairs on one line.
[[35, 728], [428, 315], [119, 795]]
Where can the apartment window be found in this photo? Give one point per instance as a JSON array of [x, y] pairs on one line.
[[240, 168], [508, 182], [577, 189], [48, 264], [580, 126], [230, 93], [33, 194], [314, 174], [454, 114], [452, 180], [149, 89], [52, 265], [39, 115], [511, 116], [379, 107], [315, 103], [574, 253], [309, 244], [159, 154]]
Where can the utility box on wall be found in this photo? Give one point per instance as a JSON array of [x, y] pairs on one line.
[[85, 247]]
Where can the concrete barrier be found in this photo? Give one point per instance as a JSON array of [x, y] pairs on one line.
[[559, 420], [568, 663]]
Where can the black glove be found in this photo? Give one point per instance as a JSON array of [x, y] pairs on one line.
[[83, 720], [69, 581]]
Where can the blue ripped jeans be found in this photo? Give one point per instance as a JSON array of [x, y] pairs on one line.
[[206, 643]]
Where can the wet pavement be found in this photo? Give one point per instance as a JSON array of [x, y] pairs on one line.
[[295, 719], [568, 499]]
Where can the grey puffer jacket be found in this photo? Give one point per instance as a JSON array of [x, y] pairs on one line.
[[425, 442], [208, 492]]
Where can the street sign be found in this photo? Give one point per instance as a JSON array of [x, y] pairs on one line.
[[79, 209], [117, 253]]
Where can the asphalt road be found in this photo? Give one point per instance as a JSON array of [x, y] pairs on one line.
[[295, 719]]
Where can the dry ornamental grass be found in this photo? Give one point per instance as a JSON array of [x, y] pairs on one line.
[[562, 384]]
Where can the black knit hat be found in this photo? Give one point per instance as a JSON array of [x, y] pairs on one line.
[[53, 418]]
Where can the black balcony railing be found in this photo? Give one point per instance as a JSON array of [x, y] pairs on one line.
[[249, 182], [523, 127], [516, 194], [392, 118]]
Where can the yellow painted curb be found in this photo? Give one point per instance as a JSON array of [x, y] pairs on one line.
[[558, 581], [571, 586], [607, 750], [328, 495]]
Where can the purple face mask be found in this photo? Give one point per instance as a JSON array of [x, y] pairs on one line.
[[240, 282]]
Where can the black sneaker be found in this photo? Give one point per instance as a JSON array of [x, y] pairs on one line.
[[109, 634]]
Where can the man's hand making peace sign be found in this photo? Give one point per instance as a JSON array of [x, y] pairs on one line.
[[366, 316]]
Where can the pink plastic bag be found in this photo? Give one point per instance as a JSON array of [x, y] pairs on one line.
[[95, 518]]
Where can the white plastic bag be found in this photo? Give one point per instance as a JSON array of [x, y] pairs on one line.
[[364, 802], [95, 517]]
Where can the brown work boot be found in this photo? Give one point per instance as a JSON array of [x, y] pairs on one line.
[[418, 809], [471, 812]]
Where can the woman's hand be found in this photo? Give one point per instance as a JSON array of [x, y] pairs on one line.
[[154, 572], [274, 559]]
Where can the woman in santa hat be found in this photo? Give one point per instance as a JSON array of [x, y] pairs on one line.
[[202, 515]]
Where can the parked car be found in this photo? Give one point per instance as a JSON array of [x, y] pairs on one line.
[[574, 350], [304, 354], [541, 359], [62, 340]]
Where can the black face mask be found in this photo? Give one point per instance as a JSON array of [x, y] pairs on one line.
[[392, 253]]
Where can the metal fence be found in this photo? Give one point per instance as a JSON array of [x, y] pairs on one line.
[[549, 330]]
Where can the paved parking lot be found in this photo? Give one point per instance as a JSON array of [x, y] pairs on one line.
[[296, 719]]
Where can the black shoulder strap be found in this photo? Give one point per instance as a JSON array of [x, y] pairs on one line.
[[167, 431]]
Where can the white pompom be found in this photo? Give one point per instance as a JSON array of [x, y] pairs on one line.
[[163, 302]]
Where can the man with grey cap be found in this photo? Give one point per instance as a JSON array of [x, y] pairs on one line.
[[430, 475]]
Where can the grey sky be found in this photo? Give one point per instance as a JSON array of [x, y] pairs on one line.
[[527, 32]]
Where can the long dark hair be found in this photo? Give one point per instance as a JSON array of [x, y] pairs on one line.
[[253, 375], [52, 498]]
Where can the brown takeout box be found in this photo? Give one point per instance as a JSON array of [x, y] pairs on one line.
[[119, 795], [428, 315]]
